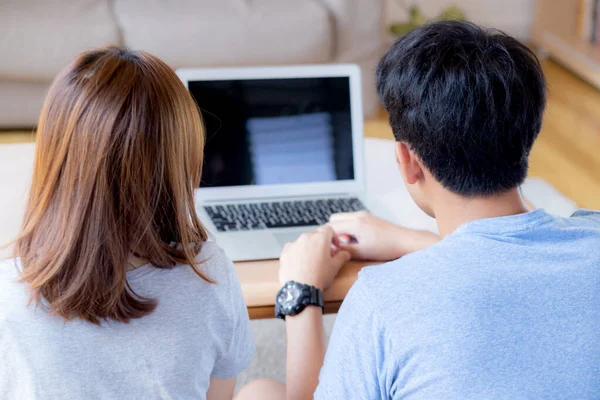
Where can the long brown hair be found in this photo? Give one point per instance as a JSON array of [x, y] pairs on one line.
[[119, 153]]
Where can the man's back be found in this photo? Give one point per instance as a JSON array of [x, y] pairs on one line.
[[507, 304], [502, 308]]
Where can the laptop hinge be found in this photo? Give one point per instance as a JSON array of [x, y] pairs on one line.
[[278, 198]]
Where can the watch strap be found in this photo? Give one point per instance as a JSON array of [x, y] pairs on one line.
[[317, 298]]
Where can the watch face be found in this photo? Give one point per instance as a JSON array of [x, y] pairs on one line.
[[288, 296]]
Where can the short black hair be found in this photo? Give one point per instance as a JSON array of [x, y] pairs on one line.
[[469, 101]]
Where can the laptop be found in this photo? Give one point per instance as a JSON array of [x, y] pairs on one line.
[[283, 151]]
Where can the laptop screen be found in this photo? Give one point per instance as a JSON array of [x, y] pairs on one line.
[[275, 131]]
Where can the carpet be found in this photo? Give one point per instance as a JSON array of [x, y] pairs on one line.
[[269, 359]]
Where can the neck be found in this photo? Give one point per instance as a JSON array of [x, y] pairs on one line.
[[453, 210]]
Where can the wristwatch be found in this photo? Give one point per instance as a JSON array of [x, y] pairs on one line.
[[293, 297]]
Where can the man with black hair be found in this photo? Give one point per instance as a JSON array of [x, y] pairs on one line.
[[505, 303]]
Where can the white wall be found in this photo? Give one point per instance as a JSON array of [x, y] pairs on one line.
[[511, 16]]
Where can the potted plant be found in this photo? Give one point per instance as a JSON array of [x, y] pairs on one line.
[[418, 18]]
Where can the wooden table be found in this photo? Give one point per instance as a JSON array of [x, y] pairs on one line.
[[260, 284]]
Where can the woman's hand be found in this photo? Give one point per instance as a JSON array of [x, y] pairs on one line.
[[367, 237], [314, 259]]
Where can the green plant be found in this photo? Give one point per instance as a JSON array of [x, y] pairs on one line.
[[418, 18]]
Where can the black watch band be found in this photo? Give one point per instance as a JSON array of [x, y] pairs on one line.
[[294, 297]]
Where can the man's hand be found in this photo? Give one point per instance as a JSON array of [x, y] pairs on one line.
[[367, 237], [313, 259]]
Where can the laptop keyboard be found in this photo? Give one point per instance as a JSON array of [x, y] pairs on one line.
[[285, 214]]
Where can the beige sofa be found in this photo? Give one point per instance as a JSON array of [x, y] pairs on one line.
[[39, 37]]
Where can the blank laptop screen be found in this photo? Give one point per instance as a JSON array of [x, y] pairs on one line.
[[275, 131]]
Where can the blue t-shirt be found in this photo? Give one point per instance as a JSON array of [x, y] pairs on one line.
[[503, 308]]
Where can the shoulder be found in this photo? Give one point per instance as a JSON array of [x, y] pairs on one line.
[[211, 261], [588, 217], [417, 280], [218, 266], [215, 263], [408, 269], [379, 285]]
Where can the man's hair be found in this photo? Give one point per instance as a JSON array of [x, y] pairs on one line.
[[468, 101], [119, 153]]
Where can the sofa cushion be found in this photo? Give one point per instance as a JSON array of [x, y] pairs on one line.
[[20, 103], [38, 38], [359, 28], [359, 32], [194, 33]]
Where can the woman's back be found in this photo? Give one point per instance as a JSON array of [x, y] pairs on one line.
[[115, 291], [198, 331]]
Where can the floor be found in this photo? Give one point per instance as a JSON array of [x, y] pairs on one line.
[[567, 153]]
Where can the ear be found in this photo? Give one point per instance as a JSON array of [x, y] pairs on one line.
[[408, 162]]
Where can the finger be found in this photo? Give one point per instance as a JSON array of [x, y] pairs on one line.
[[348, 226], [334, 249], [343, 216], [335, 240], [327, 232], [343, 239], [340, 258], [353, 250], [285, 249], [346, 240], [306, 235]]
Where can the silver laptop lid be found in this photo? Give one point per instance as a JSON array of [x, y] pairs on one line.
[[279, 131]]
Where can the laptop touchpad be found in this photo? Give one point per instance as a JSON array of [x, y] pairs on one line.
[[286, 237]]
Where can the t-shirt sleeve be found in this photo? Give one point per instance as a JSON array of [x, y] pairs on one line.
[[354, 362], [240, 350]]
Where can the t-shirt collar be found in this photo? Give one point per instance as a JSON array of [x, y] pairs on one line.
[[506, 224]]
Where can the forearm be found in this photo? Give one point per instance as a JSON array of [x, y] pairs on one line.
[[305, 353], [411, 240]]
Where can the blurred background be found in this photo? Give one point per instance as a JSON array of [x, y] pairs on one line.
[[38, 38]]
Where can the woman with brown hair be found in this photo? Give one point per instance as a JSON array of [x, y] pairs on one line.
[[115, 292]]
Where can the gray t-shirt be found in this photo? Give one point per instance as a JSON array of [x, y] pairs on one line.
[[198, 331]]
